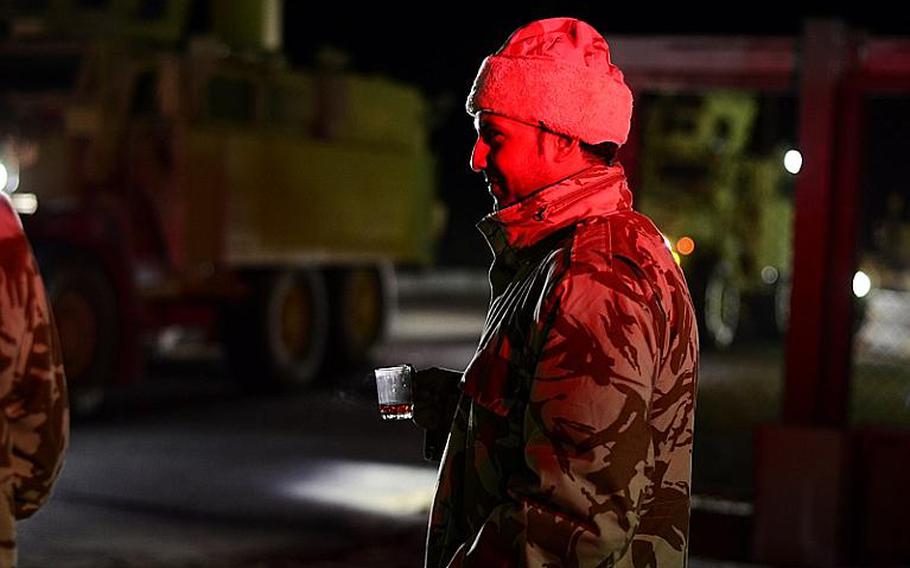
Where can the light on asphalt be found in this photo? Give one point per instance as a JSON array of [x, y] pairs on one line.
[[384, 489]]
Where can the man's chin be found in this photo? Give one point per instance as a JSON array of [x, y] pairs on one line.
[[500, 198]]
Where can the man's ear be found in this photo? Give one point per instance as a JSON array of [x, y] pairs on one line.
[[565, 147]]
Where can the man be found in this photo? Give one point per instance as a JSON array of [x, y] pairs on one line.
[[34, 422], [571, 429]]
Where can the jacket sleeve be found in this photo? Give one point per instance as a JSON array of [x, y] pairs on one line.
[[588, 447], [35, 399]]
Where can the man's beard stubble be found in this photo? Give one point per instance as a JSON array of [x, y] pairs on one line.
[[493, 182]]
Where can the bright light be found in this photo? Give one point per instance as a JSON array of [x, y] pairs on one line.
[[385, 489], [12, 182], [25, 203], [861, 284], [793, 161], [685, 245], [675, 256], [667, 242], [9, 175], [769, 275]]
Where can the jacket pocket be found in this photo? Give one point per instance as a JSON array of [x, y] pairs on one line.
[[493, 378]]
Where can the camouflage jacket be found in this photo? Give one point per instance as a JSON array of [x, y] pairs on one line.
[[34, 423], [571, 445]]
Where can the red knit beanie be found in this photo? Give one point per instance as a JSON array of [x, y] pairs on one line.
[[556, 73]]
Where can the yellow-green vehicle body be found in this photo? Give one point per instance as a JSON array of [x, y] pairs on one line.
[[240, 176], [700, 179], [194, 180], [282, 194], [245, 160]]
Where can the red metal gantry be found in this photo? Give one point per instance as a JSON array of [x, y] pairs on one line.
[[805, 509]]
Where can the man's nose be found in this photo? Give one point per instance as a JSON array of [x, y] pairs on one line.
[[479, 155]]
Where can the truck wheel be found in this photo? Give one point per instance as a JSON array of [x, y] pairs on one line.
[[769, 309], [277, 338], [717, 302], [362, 301], [782, 304], [85, 311]]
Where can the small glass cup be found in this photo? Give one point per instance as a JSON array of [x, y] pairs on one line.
[[393, 387]]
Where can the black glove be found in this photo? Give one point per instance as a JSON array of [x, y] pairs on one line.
[[435, 393]]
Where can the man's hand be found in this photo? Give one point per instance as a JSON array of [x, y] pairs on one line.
[[435, 392]]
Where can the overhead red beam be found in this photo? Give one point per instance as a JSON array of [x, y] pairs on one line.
[[686, 63], [699, 62]]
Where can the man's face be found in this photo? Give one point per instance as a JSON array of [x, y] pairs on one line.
[[513, 157]]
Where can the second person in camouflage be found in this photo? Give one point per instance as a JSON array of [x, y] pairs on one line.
[[34, 422], [570, 432]]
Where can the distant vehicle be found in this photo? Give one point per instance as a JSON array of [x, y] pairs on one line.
[[170, 181], [726, 212]]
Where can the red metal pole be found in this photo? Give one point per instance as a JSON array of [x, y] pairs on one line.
[[833, 397], [816, 234], [802, 508]]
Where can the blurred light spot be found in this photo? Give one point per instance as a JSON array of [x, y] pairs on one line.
[[722, 506], [4, 177], [12, 183], [667, 242], [793, 161], [769, 275], [675, 256], [385, 489], [685, 245], [25, 203], [170, 338], [861, 284]]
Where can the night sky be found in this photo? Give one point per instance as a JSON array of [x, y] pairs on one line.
[[438, 47]]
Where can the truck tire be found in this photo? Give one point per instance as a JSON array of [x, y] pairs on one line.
[[85, 311], [276, 338], [717, 300], [769, 309], [782, 290], [362, 301]]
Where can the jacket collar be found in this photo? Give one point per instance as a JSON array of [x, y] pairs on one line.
[[592, 192]]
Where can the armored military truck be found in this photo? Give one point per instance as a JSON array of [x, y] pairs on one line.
[[167, 179], [725, 208]]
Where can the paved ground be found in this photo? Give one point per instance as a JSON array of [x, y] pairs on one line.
[[187, 472]]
